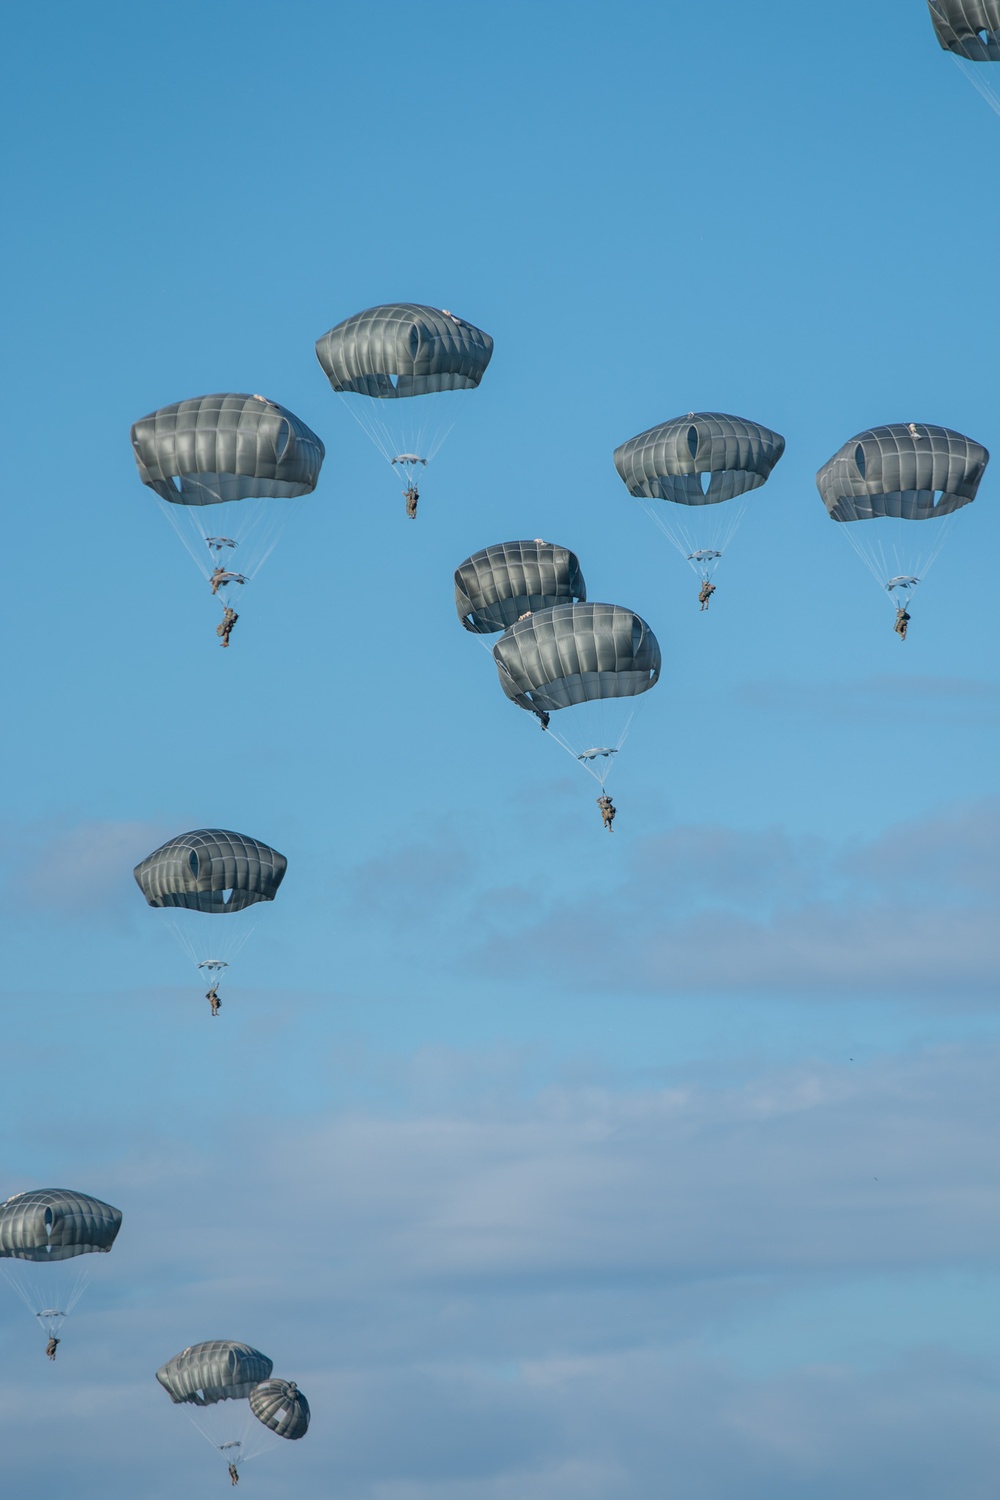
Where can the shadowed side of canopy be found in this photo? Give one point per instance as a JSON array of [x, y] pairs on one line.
[[494, 587], [212, 449], [969, 28], [48, 1224], [218, 1370], [667, 462], [404, 349], [576, 653], [912, 471], [211, 870]]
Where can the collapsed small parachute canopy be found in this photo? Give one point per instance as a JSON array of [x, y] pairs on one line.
[[404, 349], [576, 653], [281, 1406], [969, 28], [912, 471], [211, 870], [668, 461], [226, 447], [49, 1224], [219, 1370], [494, 587]]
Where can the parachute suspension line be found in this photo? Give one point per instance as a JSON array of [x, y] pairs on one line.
[[421, 440], [222, 946], [975, 77], [707, 530], [896, 557], [601, 766], [49, 1299], [259, 524], [233, 1431], [170, 511]]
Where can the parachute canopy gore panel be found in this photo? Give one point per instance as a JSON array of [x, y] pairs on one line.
[[969, 28], [218, 1370], [212, 449], [910, 470], [404, 349], [576, 653], [667, 462], [495, 587], [48, 1224], [211, 870]]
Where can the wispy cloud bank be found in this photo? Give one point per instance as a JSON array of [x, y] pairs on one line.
[[520, 1295], [700, 909]]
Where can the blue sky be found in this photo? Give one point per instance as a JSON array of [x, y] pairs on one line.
[[549, 1164]]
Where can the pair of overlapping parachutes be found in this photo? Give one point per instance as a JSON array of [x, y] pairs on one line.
[[219, 463], [895, 487], [234, 1399], [559, 654]]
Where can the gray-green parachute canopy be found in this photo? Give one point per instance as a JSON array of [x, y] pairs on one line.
[[909, 470], [576, 653], [49, 1224], [226, 447], [219, 1370], [969, 28], [211, 870], [281, 1406], [404, 349], [494, 587], [699, 459]]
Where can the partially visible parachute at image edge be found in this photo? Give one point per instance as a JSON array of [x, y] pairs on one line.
[[887, 482], [968, 28], [44, 1233], [699, 460], [211, 870], [52, 1224], [497, 585]]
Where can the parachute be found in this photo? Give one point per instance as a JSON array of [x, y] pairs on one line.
[[968, 28], [890, 478], [403, 349], [214, 871], [494, 587], [697, 462], [216, 463], [970, 31], [590, 659], [43, 1235], [281, 1406], [217, 1378]]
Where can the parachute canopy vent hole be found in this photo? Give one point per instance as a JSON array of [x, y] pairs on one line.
[[859, 459]]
